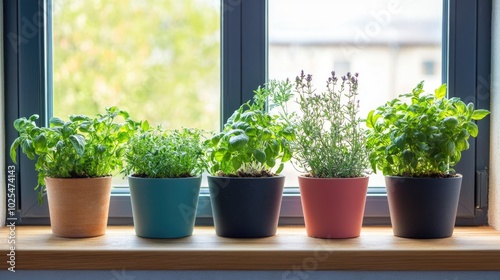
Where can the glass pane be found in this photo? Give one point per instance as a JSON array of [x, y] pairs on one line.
[[157, 59], [393, 45]]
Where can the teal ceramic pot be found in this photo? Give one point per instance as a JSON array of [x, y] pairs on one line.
[[164, 207]]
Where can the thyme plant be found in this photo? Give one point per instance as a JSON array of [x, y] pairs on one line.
[[330, 142], [156, 153]]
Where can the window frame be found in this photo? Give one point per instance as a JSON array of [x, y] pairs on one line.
[[466, 35]]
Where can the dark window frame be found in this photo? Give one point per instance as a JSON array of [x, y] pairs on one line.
[[467, 29]]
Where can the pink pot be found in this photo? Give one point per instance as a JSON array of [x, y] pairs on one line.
[[333, 207]]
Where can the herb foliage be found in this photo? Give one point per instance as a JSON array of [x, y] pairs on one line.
[[330, 142], [82, 147], [423, 137], [254, 142], [156, 153]]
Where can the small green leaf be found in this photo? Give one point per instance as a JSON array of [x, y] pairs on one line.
[[235, 132], [372, 119], [280, 168], [289, 134], [34, 117], [18, 124], [77, 118], [248, 115], [238, 141], [479, 114], [287, 155], [145, 125], [271, 162], [100, 149], [67, 130], [462, 145], [269, 152], [450, 148], [28, 149], [440, 92], [236, 163], [122, 137], [275, 146], [450, 122], [418, 89], [400, 141], [251, 131], [85, 126], [216, 138], [40, 142], [226, 158], [13, 149], [408, 156], [241, 125], [259, 155], [472, 129], [266, 134], [470, 108], [56, 122], [78, 143], [464, 134], [219, 154]]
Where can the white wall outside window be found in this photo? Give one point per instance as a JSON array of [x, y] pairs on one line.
[[494, 196], [2, 129]]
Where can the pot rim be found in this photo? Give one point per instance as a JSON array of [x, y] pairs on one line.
[[424, 178], [164, 178], [243, 178], [332, 178], [80, 178]]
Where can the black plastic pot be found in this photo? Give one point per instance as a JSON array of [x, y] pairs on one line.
[[423, 207], [246, 207]]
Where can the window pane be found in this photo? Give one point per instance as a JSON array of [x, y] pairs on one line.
[[157, 59], [393, 45]]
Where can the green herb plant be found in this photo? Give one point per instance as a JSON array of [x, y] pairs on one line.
[[158, 153], [422, 137], [254, 141], [82, 147], [330, 141]]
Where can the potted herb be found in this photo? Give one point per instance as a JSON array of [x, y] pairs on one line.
[[164, 168], [416, 144], [330, 149], [75, 160], [244, 162]]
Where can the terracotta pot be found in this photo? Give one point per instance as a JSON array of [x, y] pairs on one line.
[[333, 207], [78, 206]]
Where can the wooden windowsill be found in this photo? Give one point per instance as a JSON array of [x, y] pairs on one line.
[[470, 248]]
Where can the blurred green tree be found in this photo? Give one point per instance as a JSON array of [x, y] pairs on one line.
[[157, 59]]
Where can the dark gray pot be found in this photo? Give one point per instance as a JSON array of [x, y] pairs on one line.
[[246, 207], [423, 207]]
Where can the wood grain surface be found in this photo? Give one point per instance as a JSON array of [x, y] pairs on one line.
[[470, 248]]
